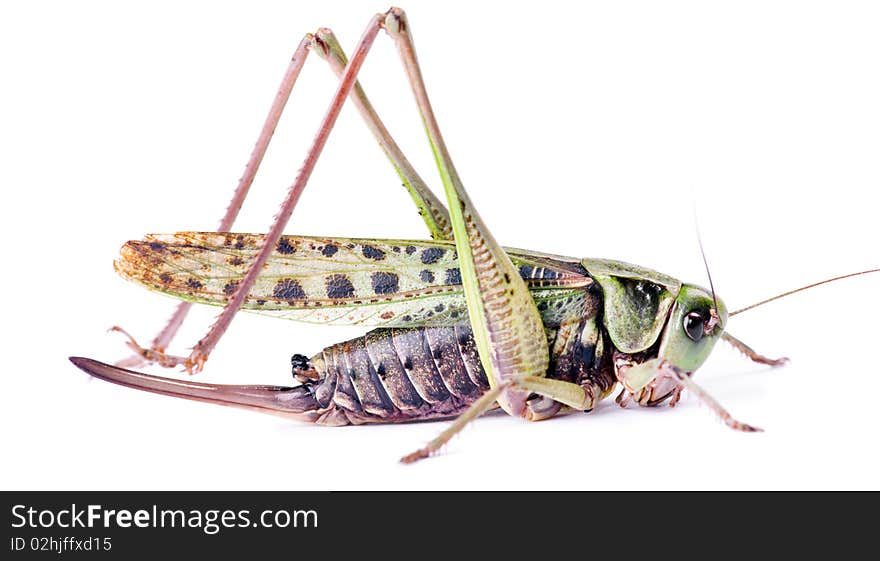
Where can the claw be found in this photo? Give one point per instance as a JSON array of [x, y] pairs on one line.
[[676, 397], [775, 362], [736, 425], [414, 457], [195, 362], [623, 398]]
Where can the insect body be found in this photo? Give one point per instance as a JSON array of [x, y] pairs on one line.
[[463, 325], [600, 319]]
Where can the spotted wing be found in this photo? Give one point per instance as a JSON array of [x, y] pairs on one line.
[[338, 281]]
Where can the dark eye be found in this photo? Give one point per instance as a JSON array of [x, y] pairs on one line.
[[694, 324]]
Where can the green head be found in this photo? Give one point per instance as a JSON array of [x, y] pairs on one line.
[[696, 322], [652, 318]]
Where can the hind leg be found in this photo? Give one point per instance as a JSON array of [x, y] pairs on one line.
[[325, 44]]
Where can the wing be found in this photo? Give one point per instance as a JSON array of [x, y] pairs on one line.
[[338, 281]]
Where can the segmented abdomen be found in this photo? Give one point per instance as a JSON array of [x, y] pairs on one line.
[[399, 374]]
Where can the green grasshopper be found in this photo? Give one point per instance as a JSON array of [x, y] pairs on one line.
[[463, 324]]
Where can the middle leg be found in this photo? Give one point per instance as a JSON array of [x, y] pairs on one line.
[[573, 395]]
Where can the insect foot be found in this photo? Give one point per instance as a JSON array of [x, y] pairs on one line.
[[145, 356]]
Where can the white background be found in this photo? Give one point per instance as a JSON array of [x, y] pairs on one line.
[[585, 129]]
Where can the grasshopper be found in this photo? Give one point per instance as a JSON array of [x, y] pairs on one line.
[[463, 325]]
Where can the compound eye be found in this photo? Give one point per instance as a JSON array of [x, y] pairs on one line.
[[694, 325]]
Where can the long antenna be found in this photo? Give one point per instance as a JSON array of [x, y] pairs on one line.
[[713, 313], [790, 292], [708, 274]]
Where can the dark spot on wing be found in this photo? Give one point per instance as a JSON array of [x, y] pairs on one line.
[[453, 276], [387, 315], [432, 254], [542, 306], [166, 278], [235, 261], [410, 249], [339, 286], [439, 308], [396, 249], [371, 252], [525, 271], [229, 288], [285, 247], [157, 247], [407, 318], [195, 284], [288, 289], [239, 243], [427, 276], [329, 250], [384, 283]]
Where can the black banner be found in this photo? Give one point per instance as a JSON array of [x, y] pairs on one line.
[[135, 524]]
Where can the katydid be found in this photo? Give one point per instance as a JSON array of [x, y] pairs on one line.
[[463, 325]]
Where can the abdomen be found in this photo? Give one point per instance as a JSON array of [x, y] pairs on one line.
[[395, 375]]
